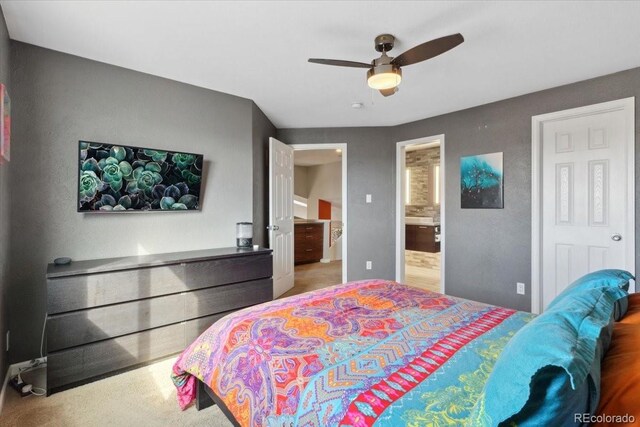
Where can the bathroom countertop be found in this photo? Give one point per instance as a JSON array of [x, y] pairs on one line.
[[416, 220]]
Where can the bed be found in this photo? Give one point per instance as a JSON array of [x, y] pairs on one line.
[[358, 354]]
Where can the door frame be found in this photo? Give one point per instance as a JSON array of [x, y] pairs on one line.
[[628, 106], [400, 197], [345, 228]]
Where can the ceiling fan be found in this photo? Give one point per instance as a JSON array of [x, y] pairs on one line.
[[385, 73]]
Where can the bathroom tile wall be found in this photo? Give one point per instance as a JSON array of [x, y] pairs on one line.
[[421, 163], [422, 259]]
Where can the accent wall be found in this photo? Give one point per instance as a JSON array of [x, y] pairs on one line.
[[59, 99]]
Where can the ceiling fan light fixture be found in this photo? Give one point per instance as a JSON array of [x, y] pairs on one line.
[[384, 77]]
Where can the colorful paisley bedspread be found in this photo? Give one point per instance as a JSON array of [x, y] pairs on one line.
[[364, 353]]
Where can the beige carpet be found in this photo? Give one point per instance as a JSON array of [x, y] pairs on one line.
[[317, 275], [143, 397]]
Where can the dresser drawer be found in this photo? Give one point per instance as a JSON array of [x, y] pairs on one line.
[[231, 270], [309, 231], [96, 324], [308, 242], [306, 238], [94, 290], [88, 362], [307, 254], [214, 300]]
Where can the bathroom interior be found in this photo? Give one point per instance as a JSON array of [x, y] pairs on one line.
[[422, 216]]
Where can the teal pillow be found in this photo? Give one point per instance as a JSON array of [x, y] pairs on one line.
[[597, 279], [550, 369]]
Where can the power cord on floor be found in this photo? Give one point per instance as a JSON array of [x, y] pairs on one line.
[[16, 381], [37, 391], [22, 387]]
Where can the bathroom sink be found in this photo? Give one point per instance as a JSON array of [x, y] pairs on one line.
[[420, 220]]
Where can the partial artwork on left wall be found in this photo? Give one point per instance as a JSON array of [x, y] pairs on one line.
[[119, 178], [5, 124]]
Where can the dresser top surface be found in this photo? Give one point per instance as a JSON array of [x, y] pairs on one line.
[[76, 268]]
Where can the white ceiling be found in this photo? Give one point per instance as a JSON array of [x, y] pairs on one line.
[[315, 157], [258, 50]]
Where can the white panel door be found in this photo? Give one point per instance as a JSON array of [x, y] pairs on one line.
[[585, 198], [281, 215]]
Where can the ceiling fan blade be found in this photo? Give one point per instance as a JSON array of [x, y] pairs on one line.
[[388, 92], [339, 63], [428, 50]]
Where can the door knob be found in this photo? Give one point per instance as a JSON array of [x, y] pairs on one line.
[[616, 237], [273, 228]]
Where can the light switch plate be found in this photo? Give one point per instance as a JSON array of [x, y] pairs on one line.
[[520, 288], [368, 265], [368, 198]]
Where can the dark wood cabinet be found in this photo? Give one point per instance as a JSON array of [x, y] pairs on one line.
[[421, 238], [107, 316], [308, 242]]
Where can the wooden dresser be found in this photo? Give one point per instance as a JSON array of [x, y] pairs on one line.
[[109, 315], [308, 242]]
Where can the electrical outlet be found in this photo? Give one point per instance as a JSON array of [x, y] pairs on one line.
[[368, 265], [368, 198], [7, 342], [520, 288]]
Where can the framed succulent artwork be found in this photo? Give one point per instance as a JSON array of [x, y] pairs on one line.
[[120, 178], [5, 124], [481, 181]]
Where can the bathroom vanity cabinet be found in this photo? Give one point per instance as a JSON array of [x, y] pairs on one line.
[[422, 238]]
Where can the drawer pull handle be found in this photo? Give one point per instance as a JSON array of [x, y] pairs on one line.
[[308, 250], [309, 228]]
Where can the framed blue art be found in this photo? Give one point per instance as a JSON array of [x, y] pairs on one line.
[[481, 181]]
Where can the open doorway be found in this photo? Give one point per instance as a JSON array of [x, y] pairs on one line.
[[319, 209], [420, 207]]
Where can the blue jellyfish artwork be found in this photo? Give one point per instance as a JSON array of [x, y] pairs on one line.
[[481, 181]]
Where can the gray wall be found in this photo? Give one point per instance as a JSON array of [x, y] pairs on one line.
[[59, 99], [503, 236], [472, 235], [370, 170], [5, 226], [262, 130], [324, 182], [300, 181]]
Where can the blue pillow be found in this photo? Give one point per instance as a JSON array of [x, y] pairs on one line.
[[597, 279], [550, 370]]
